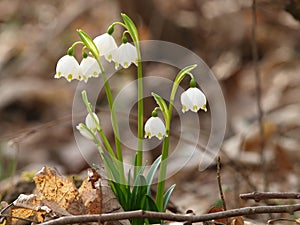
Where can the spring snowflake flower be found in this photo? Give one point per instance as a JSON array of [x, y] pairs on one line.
[[193, 99], [106, 44], [90, 127], [89, 68], [155, 127], [125, 55], [68, 67]]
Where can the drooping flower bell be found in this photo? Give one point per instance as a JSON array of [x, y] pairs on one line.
[[125, 55], [193, 99], [90, 127], [106, 44], [155, 127], [89, 68], [68, 67]]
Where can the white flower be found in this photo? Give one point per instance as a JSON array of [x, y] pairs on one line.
[[90, 127], [155, 127], [89, 68], [125, 55], [67, 67], [106, 44], [193, 99]]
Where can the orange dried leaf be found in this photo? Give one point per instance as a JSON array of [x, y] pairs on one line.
[[217, 209], [54, 187], [28, 207], [237, 221]]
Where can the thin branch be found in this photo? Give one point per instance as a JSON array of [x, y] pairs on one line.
[[220, 186], [258, 97], [18, 218], [174, 217], [220, 183], [258, 196]]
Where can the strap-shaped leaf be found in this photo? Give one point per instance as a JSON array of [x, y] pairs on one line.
[[183, 73], [162, 105], [167, 196], [151, 173], [88, 42], [131, 27]]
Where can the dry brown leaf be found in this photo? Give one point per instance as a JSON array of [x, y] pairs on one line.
[[232, 220], [101, 195], [28, 207], [237, 221], [53, 187], [90, 198], [217, 209]]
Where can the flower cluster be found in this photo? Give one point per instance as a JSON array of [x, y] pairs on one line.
[[70, 69], [192, 99]]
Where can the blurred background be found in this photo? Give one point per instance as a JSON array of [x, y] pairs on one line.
[[35, 109]]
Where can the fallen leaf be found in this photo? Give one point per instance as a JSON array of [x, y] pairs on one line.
[[56, 188], [28, 207], [90, 198], [238, 220]]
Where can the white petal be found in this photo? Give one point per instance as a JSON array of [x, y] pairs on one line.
[[67, 67], [155, 127], [89, 68], [125, 55], [84, 132], [186, 102], [105, 44], [193, 99], [90, 123]]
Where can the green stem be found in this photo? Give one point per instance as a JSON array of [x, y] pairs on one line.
[[165, 148], [165, 154], [140, 110], [114, 121], [106, 143]]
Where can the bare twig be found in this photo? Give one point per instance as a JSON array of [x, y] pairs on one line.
[[174, 217], [258, 97], [219, 183], [220, 186], [18, 218], [258, 196]]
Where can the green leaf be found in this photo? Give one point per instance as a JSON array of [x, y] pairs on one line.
[[138, 192], [167, 196], [120, 194], [162, 105], [140, 173], [88, 42], [183, 73], [131, 28], [151, 206], [151, 173], [111, 166]]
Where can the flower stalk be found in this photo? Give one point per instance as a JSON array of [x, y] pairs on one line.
[[166, 142]]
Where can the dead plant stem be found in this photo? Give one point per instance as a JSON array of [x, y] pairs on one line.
[[220, 185]]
